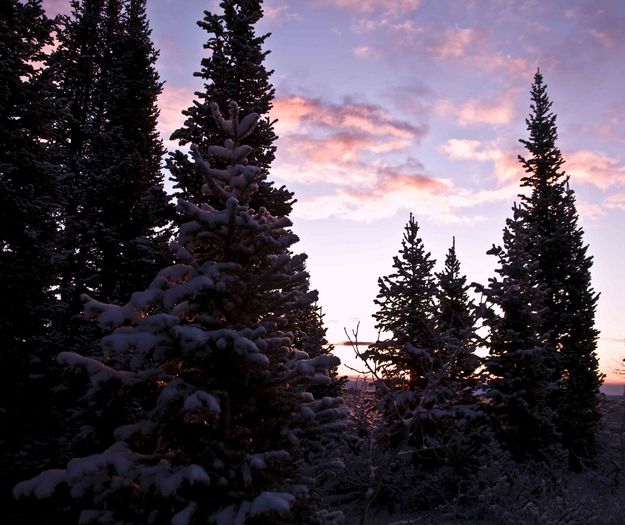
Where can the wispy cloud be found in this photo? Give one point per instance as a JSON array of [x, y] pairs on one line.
[[589, 210], [306, 113], [585, 167], [391, 192], [604, 38], [332, 146], [455, 43], [510, 66], [498, 112], [341, 148], [470, 149], [280, 11], [616, 201], [507, 169], [367, 52], [389, 7], [437, 200], [595, 168], [365, 25]]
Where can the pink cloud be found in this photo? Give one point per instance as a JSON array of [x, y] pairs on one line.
[[616, 201], [604, 38], [467, 149], [507, 169], [499, 112], [589, 210], [296, 113], [584, 166], [469, 47], [280, 11], [365, 192], [393, 191], [340, 147], [366, 52], [455, 43], [327, 143], [403, 29], [511, 66], [390, 7], [331, 145], [595, 168], [434, 199], [605, 24], [339, 173]]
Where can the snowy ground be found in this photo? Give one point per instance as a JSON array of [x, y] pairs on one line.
[[594, 497]]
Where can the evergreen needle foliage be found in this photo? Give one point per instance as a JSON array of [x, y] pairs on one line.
[[545, 298], [115, 208], [406, 313], [29, 210], [233, 70], [219, 424]]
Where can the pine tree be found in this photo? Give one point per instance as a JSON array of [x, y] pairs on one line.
[[75, 69], [234, 70], [463, 432], [28, 230], [130, 207], [219, 424], [427, 360], [104, 69], [406, 313], [521, 362], [455, 323], [564, 270]]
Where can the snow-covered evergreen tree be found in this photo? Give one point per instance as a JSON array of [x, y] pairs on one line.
[[406, 313], [426, 377], [219, 424], [28, 231], [456, 324], [463, 430], [563, 268], [521, 362], [234, 70], [406, 358], [545, 304]]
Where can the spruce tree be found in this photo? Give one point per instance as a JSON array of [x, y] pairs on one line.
[[28, 230], [521, 362], [130, 207], [75, 68], [219, 425], [455, 323], [462, 431], [104, 69], [428, 358], [406, 313], [233, 70], [564, 270], [555, 299]]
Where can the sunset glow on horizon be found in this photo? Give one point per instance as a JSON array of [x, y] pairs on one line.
[[387, 107]]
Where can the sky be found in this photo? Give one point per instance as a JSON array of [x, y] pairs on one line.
[[392, 107]]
